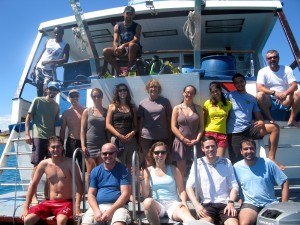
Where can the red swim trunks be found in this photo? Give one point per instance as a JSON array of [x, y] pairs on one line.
[[49, 208]]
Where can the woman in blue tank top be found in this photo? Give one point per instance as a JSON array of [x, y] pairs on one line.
[[168, 196]]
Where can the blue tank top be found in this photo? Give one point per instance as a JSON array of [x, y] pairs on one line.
[[163, 188]]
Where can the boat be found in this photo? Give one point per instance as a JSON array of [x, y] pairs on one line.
[[226, 37]]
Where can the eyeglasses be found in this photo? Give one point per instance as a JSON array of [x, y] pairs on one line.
[[160, 152], [122, 90], [53, 89], [96, 96], [189, 93], [74, 96], [107, 153], [273, 57]]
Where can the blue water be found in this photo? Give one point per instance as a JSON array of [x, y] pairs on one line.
[[8, 176]]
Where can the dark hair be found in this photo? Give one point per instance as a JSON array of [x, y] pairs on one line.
[[238, 75], [116, 99], [151, 150], [55, 138], [97, 90], [207, 138], [272, 51], [249, 141], [192, 86], [219, 87]]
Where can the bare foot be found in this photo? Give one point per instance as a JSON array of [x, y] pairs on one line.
[[282, 167], [294, 123]]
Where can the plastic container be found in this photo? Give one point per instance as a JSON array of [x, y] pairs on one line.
[[187, 69], [218, 65]]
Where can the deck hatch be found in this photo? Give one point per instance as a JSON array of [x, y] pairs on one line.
[[160, 33], [224, 26]]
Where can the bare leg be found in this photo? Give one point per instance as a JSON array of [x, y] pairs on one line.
[[31, 219], [273, 130], [181, 165], [109, 56], [295, 109], [231, 221], [61, 219], [182, 213], [132, 52], [151, 211], [221, 151], [34, 199], [264, 103], [90, 164], [247, 216]]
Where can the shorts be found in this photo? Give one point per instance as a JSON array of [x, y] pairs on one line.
[[216, 211], [167, 207], [250, 206], [235, 139], [121, 215], [42, 78], [220, 138], [71, 146], [278, 106], [125, 155], [49, 208], [39, 150]]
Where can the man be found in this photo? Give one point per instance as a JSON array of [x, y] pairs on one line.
[[277, 89], [216, 185], [44, 111], [126, 42], [54, 54], [256, 177], [109, 190], [71, 119], [239, 123], [58, 171]]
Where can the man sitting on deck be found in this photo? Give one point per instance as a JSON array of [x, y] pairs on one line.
[[126, 42], [277, 89], [58, 170], [257, 177]]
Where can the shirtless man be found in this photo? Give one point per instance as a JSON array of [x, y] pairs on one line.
[[58, 170], [71, 119]]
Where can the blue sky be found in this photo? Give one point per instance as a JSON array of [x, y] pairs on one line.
[[20, 21]]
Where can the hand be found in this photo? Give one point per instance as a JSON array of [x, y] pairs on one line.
[[183, 204], [107, 215], [201, 211], [259, 123], [24, 214], [118, 51], [230, 209], [98, 216], [85, 151], [187, 142], [28, 139]]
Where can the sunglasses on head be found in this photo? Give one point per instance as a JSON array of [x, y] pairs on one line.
[[160, 152]]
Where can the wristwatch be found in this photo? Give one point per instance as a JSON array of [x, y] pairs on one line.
[[230, 201], [273, 93]]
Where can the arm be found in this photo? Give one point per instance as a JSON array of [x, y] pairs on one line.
[[63, 127], [200, 210], [201, 123], [108, 121], [145, 183], [136, 38], [179, 184], [93, 204], [33, 186], [64, 59], [84, 118], [174, 128], [230, 209], [285, 191], [125, 194], [130, 135], [27, 129], [259, 119]]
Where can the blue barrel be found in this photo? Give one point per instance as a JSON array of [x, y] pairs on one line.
[[218, 65], [187, 69]]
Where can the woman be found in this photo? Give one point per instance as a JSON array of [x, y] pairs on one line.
[[93, 132], [187, 124], [155, 116], [121, 122], [166, 183], [216, 111]]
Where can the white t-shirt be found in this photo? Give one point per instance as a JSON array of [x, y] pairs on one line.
[[277, 81]]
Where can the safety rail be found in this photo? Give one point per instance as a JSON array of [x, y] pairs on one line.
[[74, 181], [135, 184]]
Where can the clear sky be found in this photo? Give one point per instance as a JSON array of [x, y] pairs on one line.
[[20, 21]]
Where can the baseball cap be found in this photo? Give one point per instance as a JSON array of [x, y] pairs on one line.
[[53, 84], [73, 91], [129, 9]]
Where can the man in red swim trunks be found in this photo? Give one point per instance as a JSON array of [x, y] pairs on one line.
[[58, 170]]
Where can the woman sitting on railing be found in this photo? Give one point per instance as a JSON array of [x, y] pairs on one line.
[[166, 184]]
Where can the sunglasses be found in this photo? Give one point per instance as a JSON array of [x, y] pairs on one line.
[[160, 152], [107, 153], [74, 96], [273, 57], [53, 89], [96, 96], [122, 90]]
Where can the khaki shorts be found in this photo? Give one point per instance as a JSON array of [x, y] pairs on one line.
[[120, 215]]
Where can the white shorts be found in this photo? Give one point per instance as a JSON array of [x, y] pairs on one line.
[[120, 215], [167, 207]]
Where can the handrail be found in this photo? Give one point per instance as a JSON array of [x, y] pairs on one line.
[[195, 170], [74, 182], [135, 164]]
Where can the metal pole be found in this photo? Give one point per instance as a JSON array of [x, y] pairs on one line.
[[196, 172], [197, 37]]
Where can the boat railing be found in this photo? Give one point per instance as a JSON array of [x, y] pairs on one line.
[[74, 165], [135, 185]]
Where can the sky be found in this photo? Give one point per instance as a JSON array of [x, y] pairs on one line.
[[20, 21]]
